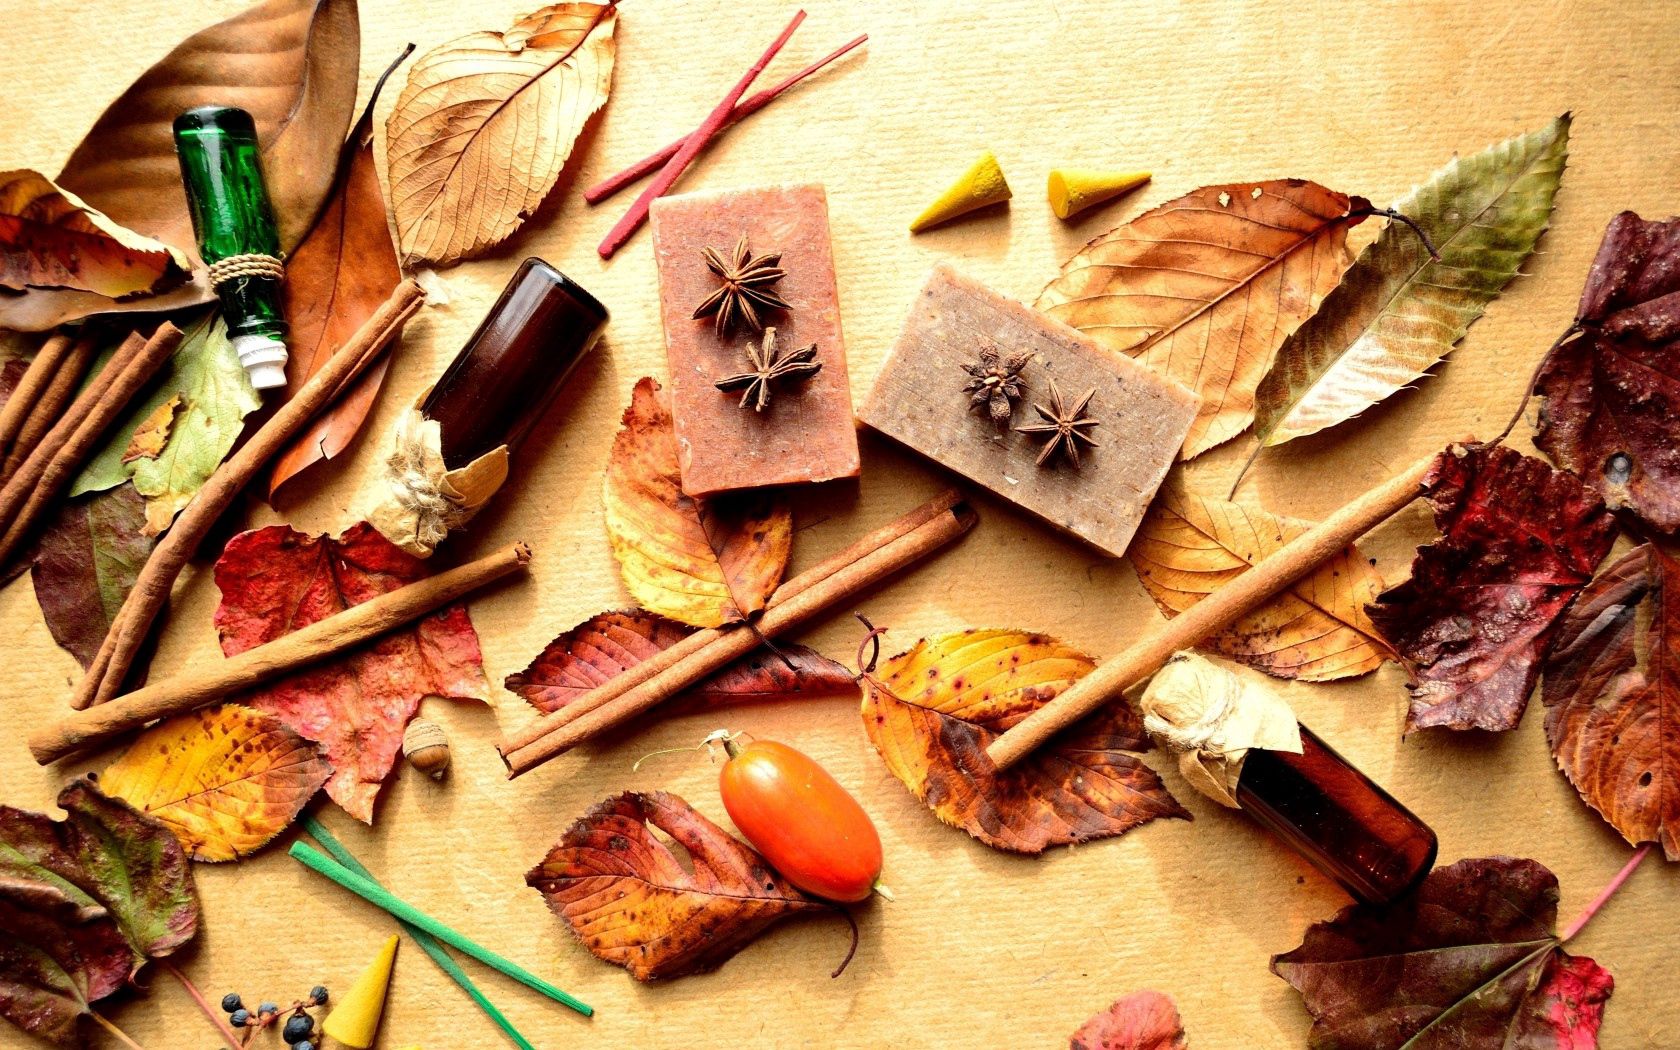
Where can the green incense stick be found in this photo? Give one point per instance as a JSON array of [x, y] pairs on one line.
[[428, 944], [376, 894]]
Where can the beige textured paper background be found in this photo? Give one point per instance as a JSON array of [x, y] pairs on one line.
[[982, 949]]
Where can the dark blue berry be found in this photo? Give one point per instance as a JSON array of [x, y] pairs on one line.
[[240, 1018], [264, 1009], [298, 1028], [231, 1002], [318, 995]]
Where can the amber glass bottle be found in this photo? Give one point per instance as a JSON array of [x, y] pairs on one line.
[[1338, 818]]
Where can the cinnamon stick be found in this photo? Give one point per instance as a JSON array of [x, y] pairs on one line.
[[559, 732], [685, 649], [133, 621], [44, 475], [1243, 595], [30, 385], [51, 404], [691, 147], [743, 109], [212, 683]]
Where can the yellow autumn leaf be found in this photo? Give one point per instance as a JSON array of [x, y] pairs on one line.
[[1189, 546], [153, 432], [226, 780], [485, 124], [702, 562]]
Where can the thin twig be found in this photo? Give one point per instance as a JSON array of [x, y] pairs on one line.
[[1604, 895], [121, 1036], [1399, 216], [216, 1020], [1569, 333]]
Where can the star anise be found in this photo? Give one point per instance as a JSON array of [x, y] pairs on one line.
[[745, 288], [1065, 427], [996, 384], [771, 366]]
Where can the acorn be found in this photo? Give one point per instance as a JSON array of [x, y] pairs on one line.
[[426, 748]]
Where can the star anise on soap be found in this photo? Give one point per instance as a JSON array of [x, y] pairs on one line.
[[995, 384], [744, 288], [771, 366], [1063, 426]]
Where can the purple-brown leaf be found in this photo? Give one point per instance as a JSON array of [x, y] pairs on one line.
[[85, 564], [1518, 541], [609, 643], [1470, 959]]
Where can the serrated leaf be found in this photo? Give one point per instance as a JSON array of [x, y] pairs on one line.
[[226, 779], [1191, 545], [485, 124], [215, 394], [1398, 312], [86, 562], [701, 562], [1205, 287], [932, 711], [51, 238]]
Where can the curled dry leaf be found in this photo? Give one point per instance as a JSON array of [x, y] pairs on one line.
[[275, 580], [1397, 311], [701, 562], [341, 273], [1469, 959], [1190, 545], [83, 903], [153, 432], [1205, 287], [611, 642], [1612, 695], [50, 238], [1518, 542], [292, 63], [932, 711], [632, 903], [86, 562], [485, 124], [225, 780], [1144, 1020], [1612, 394]]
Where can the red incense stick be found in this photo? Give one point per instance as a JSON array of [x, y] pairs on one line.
[[690, 148], [746, 108]]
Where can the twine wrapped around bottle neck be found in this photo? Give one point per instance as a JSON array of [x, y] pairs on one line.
[[1210, 717], [422, 500], [251, 264]]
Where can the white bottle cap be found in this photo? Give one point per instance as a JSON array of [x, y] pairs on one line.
[[264, 358]]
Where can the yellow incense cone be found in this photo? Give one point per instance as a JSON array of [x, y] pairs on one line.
[[982, 184], [355, 1020], [1072, 190]]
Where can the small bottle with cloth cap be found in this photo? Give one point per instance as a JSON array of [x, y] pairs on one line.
[[237, 234]]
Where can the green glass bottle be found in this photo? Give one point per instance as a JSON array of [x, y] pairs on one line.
[[237, 235]]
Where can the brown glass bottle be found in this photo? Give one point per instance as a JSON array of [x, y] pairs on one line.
[[1338, 818], [512, 368]]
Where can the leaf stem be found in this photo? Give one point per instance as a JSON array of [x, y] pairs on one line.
[[216, 1020], [1569, 333], [851, 951], [120, 1035], [1397, 215], [1605, 894]]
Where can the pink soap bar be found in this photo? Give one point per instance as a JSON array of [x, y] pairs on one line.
[[807, 433]]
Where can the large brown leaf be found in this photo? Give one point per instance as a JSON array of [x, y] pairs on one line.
[[1612, 394], [932, 711], [608, 643], [1204, 288], [275, 580], [1518, 541], [1144, 1020], [1612, 695], [291, 63], [485, 124], [701, 562], [1469, 959], [50, 238], [341, 273], [632, 903], [1190, 546]]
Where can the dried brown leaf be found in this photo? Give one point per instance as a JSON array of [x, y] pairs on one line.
[[50, 238]]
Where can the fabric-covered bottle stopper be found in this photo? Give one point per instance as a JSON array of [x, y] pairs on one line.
[[1210, 717]]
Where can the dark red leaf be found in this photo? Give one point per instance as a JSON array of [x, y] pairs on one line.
[[1144, 1020], [1468, 960], [85, 564], [1612, 695], [275, 580], [1612, 394], [1518, 541], [608, 643]]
